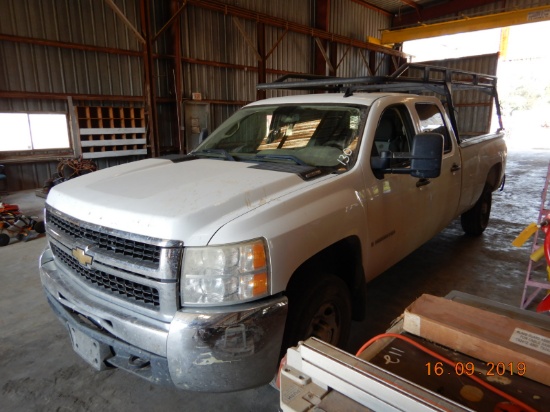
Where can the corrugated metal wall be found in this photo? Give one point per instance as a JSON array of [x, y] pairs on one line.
[[298, 12], [497, 7], [46, 69], [222, 41], [53, 49], [36, 69], [355, 21], [219, 41], [474, 109]]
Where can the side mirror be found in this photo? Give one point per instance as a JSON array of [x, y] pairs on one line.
[[426, 158], [427, 155]]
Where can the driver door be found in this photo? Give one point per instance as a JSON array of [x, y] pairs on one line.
[[396, 205]]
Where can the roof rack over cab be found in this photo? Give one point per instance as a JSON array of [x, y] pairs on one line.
[[408, 78]]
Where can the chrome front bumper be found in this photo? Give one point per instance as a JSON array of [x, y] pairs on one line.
[[211, 349]]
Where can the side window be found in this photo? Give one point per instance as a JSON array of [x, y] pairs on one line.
[[432, 121], [394, 133]]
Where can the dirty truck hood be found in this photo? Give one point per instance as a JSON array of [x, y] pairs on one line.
[[187, 201]]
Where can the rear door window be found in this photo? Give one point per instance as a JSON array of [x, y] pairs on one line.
[[432, 121], [394, 133]]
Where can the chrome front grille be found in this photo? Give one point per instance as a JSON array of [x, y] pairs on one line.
[[111, 283], [129, 270], [125, 247]]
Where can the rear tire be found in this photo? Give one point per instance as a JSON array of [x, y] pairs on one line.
[[318, 306], [475, 221]]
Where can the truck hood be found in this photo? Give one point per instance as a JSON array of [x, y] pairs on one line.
[[187, 201]]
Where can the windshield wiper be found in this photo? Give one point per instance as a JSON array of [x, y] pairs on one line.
[[268, 157], [222, 152]]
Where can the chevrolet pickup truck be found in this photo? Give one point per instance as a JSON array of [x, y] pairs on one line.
[[199, 270]]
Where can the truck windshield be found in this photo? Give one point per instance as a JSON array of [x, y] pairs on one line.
[[314, 135]]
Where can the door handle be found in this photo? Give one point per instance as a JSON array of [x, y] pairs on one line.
[[455, 168], [423, 182]]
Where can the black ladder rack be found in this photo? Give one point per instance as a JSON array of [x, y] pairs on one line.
[[419, 79]]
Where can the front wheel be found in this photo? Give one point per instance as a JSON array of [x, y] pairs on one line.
[[475, 221], [318, 306]]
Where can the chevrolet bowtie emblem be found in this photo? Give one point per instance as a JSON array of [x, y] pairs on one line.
[[82, 257]]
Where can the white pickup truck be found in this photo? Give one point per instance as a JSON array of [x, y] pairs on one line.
[[199, 270]]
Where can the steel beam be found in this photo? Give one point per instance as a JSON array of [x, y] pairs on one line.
[[372, 7], [125, 20], [211, 63], [246, 38], [291, 26], [149, 85], [510, 18], [178, 73], [279, 40], [411, 3], [322, 22], [67, 45], [325, 55], [423, 14], [175, 15], [64, 96], [260, 40]]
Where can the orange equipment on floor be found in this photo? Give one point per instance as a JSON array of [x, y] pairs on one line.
[[533, 281], [14, 224], [544, 306]]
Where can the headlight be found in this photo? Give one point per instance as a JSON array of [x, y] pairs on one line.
[[224, 274]]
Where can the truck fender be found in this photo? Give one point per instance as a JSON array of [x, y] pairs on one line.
[[475, 220], [329, 278]]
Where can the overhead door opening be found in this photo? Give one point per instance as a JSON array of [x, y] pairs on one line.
[[523, 78]]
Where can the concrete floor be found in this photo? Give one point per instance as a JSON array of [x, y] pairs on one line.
[[39, 371]]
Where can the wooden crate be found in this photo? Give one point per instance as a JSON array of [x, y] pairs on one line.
[[490, 337]]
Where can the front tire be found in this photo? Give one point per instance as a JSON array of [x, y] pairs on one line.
[[318, 306], [475, 221]]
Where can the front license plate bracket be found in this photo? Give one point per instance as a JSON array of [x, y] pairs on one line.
[[89, 349]]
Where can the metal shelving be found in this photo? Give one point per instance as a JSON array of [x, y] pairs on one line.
[[111, 131]]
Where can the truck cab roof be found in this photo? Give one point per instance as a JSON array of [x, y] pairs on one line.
[[363, 99]]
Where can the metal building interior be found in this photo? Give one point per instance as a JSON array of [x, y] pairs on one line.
[[138, 79]]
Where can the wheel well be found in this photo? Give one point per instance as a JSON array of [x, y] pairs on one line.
[[493, 177], [342, 259]]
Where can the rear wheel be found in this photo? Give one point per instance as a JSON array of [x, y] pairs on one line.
[[475, 221], [319, 306]]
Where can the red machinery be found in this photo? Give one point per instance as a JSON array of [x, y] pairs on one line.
[[14, 224], [544, 306]]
